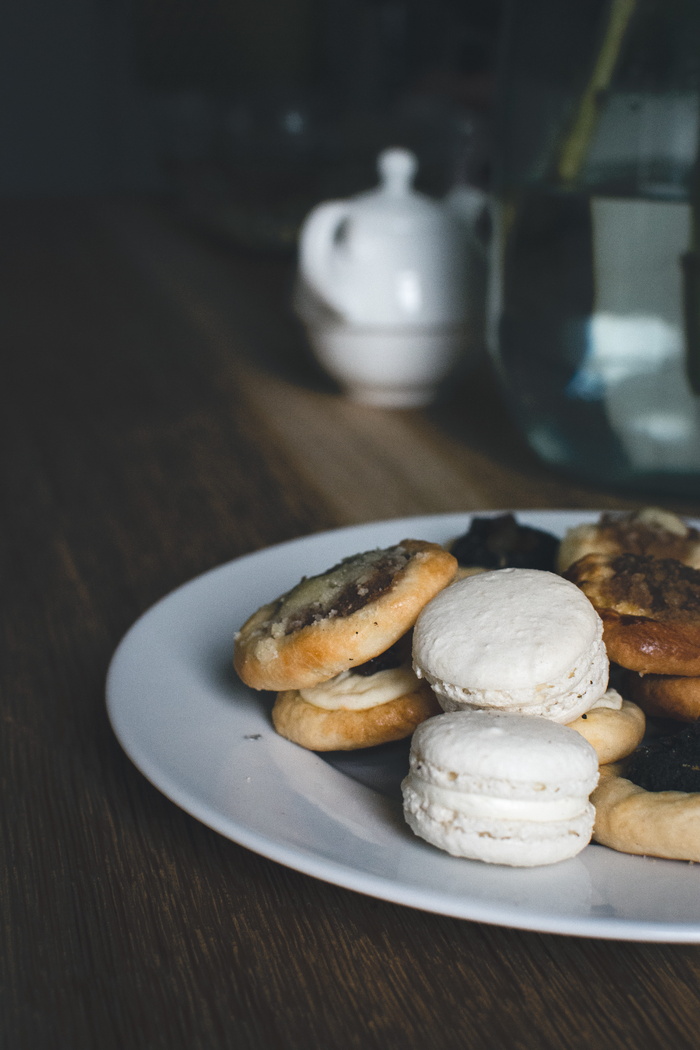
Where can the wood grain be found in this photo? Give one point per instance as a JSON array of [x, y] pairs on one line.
[[160, 415]]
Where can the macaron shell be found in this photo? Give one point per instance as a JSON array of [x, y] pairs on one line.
[[468, 767], [513, 631], [561, 701], [504, 755]]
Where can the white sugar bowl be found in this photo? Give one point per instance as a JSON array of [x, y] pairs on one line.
[[383, 288]]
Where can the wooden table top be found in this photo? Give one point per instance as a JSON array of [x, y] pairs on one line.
[[161, 416]]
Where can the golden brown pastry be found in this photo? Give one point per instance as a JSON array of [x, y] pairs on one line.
[[346, 729], [651, 531], [650, 803], [650, 608], [666, 696], [651, 823], [614, 733], [341, 618]]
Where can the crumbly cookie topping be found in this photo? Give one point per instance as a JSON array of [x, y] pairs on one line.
[[660, 587]]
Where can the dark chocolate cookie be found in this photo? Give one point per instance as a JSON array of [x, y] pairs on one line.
[[502, 542], [668, 763]]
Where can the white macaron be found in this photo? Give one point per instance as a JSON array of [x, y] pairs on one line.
[[521, 640], [501, 788]]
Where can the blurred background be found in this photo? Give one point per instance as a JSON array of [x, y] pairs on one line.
[[247, 114], [244, 116]]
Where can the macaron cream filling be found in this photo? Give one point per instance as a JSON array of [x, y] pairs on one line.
[[488, 806], [351, 691]]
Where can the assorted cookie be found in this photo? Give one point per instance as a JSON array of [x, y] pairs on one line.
[[501, 788], [502, 542], [642, 574], [650, 608], [665, 695], [613, 726], [651, 531], [650, 804], [340, 618], [670, 762], [318, 646], [521, 640], [375, 703], [494, 654]]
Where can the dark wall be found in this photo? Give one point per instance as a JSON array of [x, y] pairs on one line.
[[82, 82]]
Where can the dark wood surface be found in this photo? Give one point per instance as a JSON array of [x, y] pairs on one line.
[[161, 415]]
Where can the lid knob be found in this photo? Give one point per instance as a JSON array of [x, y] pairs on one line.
[[397, 168]]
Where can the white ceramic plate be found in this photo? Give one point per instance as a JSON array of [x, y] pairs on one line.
[[207, 743]]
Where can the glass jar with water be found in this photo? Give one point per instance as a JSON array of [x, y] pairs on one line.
[[595, 296]]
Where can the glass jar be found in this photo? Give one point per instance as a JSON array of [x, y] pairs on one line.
[[594, 315]]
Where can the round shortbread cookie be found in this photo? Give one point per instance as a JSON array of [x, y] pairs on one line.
[[521, 640], [650, 608], [341, 618], [501, 788], [666, 696], [613, 734], [320, 729], [650, 823]]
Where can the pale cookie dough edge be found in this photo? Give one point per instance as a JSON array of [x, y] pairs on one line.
[[630, 819]]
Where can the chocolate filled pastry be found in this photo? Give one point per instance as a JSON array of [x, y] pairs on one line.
[[652, 531], [650, 608], [337, 648], [501, 542], [650, 804]]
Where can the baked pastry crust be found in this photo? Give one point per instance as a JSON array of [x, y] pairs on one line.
[[650, 608], [651, 531], [666, 696], [342, 618], [650, 823], [319, 729], [613, 734]]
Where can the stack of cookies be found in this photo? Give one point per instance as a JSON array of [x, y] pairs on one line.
[[644, 581], [641, 572], [337, 650], [517, 661]]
